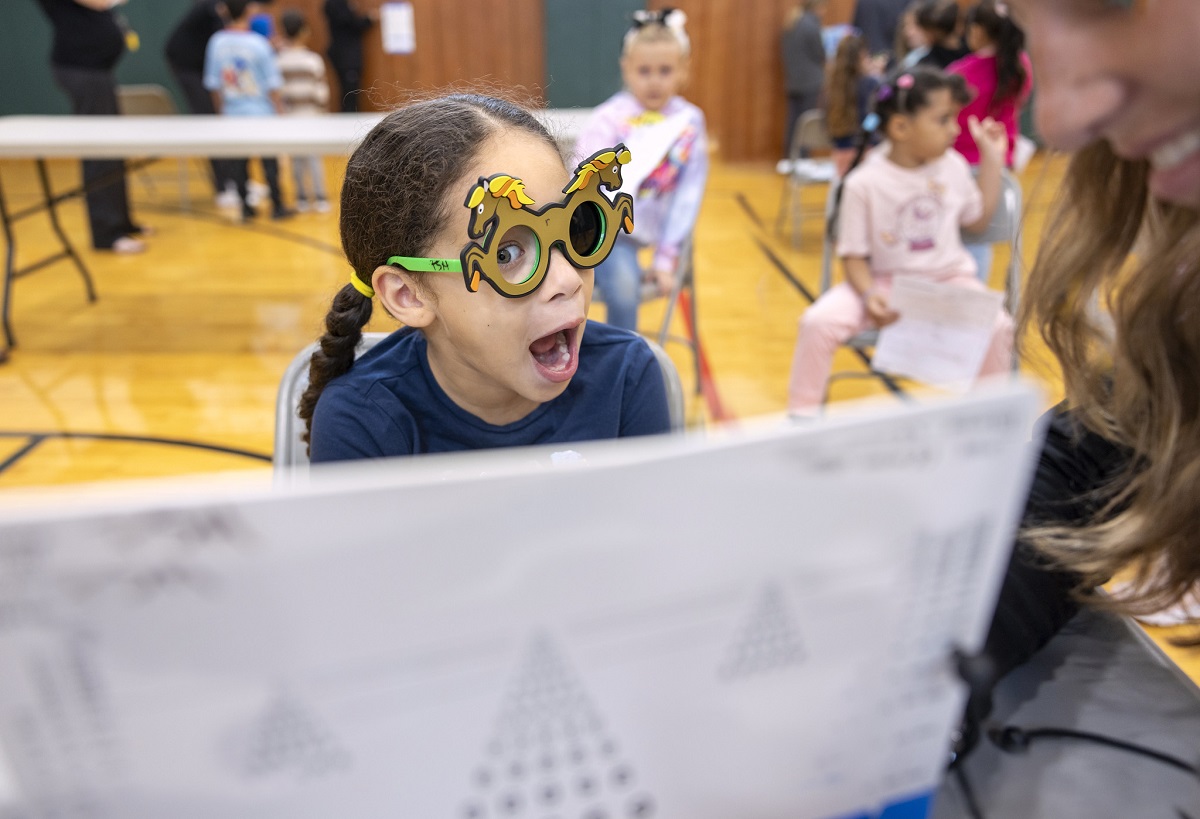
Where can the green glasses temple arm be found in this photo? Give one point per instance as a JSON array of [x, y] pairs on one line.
[[421, 264]]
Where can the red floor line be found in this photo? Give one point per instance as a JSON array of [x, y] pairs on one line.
[[708, 386]]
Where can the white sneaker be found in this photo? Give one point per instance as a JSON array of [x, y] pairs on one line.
[[322, 206], [228, 199], [301, 206], [126, 245], [256, 193]]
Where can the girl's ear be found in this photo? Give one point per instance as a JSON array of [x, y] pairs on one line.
[[898, 128], [398, 293]]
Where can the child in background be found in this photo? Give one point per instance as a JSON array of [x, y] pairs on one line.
[[494, 356], [853, 77], [939, 20], [900, 215], [241, 72], [912, 43], [304, 92], [999, 73], [654, 65]]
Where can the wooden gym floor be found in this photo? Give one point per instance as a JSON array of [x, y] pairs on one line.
[[174, 369]]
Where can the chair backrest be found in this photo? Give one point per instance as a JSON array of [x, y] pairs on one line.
[[291, 453], [143, 100], [810, 134]]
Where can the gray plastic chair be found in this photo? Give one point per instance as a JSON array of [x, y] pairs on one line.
[[810, 135], [291, 453], [685, 282], [152, 100]]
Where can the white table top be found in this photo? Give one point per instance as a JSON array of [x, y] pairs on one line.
[[209, 135]]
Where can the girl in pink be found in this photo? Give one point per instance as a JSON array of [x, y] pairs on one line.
[[900, 215], [999, 74]]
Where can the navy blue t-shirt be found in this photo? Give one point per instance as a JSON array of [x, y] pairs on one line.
[[390, 404]]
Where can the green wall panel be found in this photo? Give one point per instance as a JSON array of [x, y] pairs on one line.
[[583, 44], [26, 86]]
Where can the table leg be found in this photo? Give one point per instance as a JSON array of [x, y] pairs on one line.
[[51, 207], [10, 253]]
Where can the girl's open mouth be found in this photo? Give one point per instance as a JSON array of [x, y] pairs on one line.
[[556, 355]]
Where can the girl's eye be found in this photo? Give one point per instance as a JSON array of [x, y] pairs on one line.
[[518, 253], [509, 253]]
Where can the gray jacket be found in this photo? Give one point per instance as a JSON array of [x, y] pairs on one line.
[[803, 56]]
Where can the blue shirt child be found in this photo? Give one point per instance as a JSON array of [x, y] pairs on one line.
[[241, 65], [389, 403]]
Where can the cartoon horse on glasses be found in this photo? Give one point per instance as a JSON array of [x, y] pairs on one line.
[[499, 203]]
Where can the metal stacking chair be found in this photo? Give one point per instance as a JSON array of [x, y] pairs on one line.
[[150, 99], [810, 135]]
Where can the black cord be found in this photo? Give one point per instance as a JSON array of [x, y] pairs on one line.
[[968, 793], [1012, 739]]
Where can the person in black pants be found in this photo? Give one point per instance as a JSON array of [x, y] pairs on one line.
[[185, 56], [88, 42], [346, 28]]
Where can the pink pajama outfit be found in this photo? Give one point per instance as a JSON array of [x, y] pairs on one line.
[[905, 222]]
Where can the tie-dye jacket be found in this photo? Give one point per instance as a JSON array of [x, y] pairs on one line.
[[668, 200]]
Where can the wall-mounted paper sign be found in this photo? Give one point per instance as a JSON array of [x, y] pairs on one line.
[[396, 26]]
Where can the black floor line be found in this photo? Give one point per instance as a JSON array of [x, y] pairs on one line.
[[38, 437], [22, 452], [784, 270], [787, 273], [750, 211], [262, 225]]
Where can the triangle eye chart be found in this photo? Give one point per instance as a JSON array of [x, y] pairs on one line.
[[550, 755], [287, 738], [768, 640]]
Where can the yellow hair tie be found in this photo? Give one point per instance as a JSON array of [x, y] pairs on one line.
[[361, 286]]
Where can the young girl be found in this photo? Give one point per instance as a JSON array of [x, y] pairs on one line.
[[654, 65], [900, 216], [938, 19], [912, 43], [853, 79], [453, 214], [999, 73], [997, 70], [305, 91]]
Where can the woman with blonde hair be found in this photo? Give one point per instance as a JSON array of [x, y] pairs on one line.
[[1115, 294]]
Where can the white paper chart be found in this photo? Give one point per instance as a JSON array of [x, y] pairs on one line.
[[756, 626], [942, 335]]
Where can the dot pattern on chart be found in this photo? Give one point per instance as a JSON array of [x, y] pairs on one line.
[[551, 756], [286, 738], [767, 642]]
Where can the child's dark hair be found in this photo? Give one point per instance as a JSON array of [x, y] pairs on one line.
[[902, 93], [293, 23], [235, 8], [1009, 42], [395, 197], [938, 17]]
